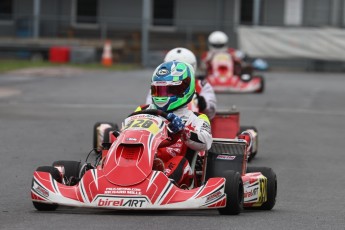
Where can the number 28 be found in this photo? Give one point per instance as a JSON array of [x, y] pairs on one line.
[[140, 123]]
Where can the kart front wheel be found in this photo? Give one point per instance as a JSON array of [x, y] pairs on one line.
[[72, 168], [95, 143], [56, 176], [234, 193], [262, 85], [271, 186]]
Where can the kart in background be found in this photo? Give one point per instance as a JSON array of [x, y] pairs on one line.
[[226, 124], [223, 78], [125, 177]]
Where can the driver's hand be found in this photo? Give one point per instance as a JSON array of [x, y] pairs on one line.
[[176, 123]]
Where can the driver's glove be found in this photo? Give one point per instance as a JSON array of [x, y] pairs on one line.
[[176, 123]]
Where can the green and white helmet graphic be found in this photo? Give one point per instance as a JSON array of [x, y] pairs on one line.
[[172, 85]]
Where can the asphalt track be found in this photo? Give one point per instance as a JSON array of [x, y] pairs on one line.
[[300, 119]]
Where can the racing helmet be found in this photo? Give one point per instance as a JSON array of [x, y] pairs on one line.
[[181, 54], [217, 40], [172, 85]]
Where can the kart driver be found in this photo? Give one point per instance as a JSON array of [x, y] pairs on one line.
[[218, 43], [172, 88], [205, 94]]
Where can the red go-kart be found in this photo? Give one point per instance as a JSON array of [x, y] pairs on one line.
[[125, 177], [225, 124], [223, 77]]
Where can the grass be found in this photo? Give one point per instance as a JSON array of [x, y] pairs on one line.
[[9, 65]]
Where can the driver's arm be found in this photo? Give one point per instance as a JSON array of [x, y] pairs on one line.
[[211, 102], [197, 134]]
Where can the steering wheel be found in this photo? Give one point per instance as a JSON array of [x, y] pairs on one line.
[[156, 112]]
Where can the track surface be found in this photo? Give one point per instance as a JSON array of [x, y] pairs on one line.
[[300, 119]]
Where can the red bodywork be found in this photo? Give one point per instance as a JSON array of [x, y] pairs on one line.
[[226, 124], [125, 178]]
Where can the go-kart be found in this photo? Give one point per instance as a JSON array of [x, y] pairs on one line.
[[226, 124], [125, 177], [224, 79]]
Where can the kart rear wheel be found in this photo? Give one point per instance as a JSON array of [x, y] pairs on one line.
[[56, 176], [72, 168], [95, 134], [244, 128], [234, 193], [271, 186]]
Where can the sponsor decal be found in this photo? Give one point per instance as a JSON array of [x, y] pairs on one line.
[[173, 151], [163, 72], [171, 166], [253, 192], [131, 139], [226, 157], [135, 202], [127, 191], [214, 196], [178, 144], [43, 192], [141, 116], [206, 127]]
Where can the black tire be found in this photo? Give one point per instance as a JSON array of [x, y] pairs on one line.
[[94, 137], [244, 128], [234, 193], [56, 175], [271, 186], [72, 168], [262, 87]]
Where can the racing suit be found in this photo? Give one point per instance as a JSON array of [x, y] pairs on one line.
[[196, 136], [205, 90]]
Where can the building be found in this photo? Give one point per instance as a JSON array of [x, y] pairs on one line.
[[170, 23]]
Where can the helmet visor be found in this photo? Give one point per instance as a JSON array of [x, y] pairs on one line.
[[218, 46], [169, 89]]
